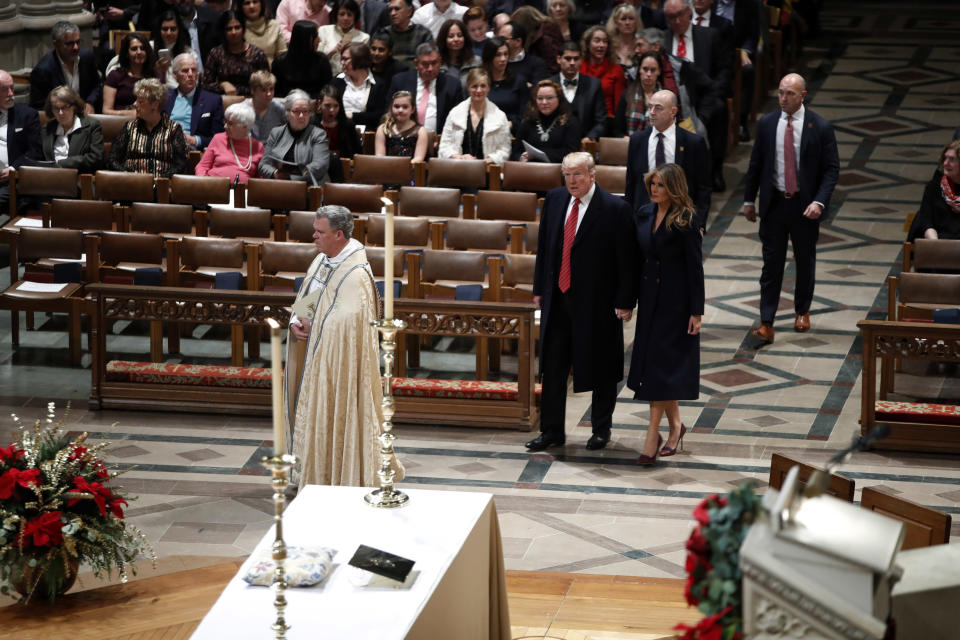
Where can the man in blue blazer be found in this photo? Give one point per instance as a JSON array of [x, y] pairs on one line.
[[584, 283], [445, 91], [794, 167], [48, 73], [199, 112], [23, 137], [680, 146]]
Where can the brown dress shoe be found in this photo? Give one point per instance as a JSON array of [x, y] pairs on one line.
[[802, 322], [764, 332]]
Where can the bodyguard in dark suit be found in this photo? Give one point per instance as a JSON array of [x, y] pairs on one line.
[[585, 94], [48, 73], [83, 137], [445, 91], [688, 150], [373, 16], [23, 136], [206, 107], [584, 284], [794, 167]]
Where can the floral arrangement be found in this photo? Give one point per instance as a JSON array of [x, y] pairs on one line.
[[57, 510], [713, 563]]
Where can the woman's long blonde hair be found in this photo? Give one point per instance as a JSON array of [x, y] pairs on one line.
[[681, 210]]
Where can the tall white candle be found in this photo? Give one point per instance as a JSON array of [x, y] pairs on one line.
[[388, 259], [276, 385]]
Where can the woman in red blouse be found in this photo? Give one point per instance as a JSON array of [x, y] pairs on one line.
[[597, 63]]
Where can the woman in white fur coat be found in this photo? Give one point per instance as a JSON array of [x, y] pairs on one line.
[[476, 128]]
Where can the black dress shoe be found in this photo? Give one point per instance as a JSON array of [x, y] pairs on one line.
[[543, 441], [598, 441], [718, 183]]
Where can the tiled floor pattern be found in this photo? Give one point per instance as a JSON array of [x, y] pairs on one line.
[[892, 89]]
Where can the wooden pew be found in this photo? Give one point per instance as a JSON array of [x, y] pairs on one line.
[[839, 487], [925, 527]]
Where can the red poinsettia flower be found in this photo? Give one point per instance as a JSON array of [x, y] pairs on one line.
[[14, 477], [115, 507], [707, 629], [100, 493], [697, 542], [45, 530], [102, 471], [702, 514], [10, 453]]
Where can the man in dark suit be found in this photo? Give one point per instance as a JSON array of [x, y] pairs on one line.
[[679, 146], [584, 284], [794, 167], [705, 49], [585, 94], [522, 63], [373, 16], [66, 59], [434, 93], [22, 142], [199, 112]]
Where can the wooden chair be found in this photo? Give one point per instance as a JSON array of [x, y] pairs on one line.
[[111, 126], [123, 187], [516, 284], [281, 263], [937, 256], [300, 226], [612, 179], [464, 174], [506, 205], [408, 233], [45, 182], [36, 243], [524, 238], [251, 225], [121, 257], [376, 260], [169, 220], [525, 176], [277, 194], [361, 199], [198, 191], [85, 215], [434, 202], [489, 236], [384, 170], [925, 527], [612, 151], [840, 487]]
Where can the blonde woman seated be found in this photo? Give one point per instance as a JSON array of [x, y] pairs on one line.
[[476, 128], [234, 153], [400, 134]]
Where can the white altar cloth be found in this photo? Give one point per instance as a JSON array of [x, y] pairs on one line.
[[453, 537]]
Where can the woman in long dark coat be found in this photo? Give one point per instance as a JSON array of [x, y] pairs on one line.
[[665, 367]]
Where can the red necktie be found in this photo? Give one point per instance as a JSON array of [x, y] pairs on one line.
[[569, 233], [423, 104], [789, 159], [699, 21], [682, 47]]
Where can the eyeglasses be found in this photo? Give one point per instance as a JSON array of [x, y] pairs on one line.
[[300, 112], [63, 109]]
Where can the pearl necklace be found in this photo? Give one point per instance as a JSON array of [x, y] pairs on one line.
[[249, 156]]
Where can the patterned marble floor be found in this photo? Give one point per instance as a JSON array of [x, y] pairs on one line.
[[891, 86]]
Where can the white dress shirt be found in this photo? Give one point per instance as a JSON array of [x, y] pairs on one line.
[[355, 97], [797, 134], [705, 22], [669, 146], [4, 121], [429, 17], [61, 144], [72, 76], [584, 203], [569, 92], [430, 122], [688, 38]]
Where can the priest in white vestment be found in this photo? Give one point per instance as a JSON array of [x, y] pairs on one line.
[[335, 393]]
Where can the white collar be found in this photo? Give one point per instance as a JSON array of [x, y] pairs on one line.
[[76, 125], [797, 115], [348, 250], [669, 133]]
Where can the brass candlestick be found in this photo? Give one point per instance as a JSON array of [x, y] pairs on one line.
[[279, 465], [386, 496]]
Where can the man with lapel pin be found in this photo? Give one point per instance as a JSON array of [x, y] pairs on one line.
[[665, 142], [794, 166], [584, 93], [198, 112], [584, 285], [20, 142]]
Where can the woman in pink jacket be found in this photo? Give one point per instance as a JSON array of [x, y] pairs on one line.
[[234, 153]]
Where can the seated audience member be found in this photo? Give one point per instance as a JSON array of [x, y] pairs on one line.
[[67, 65], [523, 64], [297, 150], [544, 38], [364, 96], [290, 12], [632, 110], [382, 63], [21, 145], [136, 63], [229, 65], [939, 213], [196, 110], [400, 135], [549, 125], [434, 93], [335, 38], [434, 14], [302, 66], [475, 21], [233, 153], [476, 128], [597, 63], [585, 94], [268, 111], [259, 28], [561, 12], [405, 35], [622, 28], [342, 138], [70, 138], [507, 90], [171, 35], [151, 142], [456, 56]]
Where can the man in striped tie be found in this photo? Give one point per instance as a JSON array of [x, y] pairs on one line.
[[794, 167], [584, 286]]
